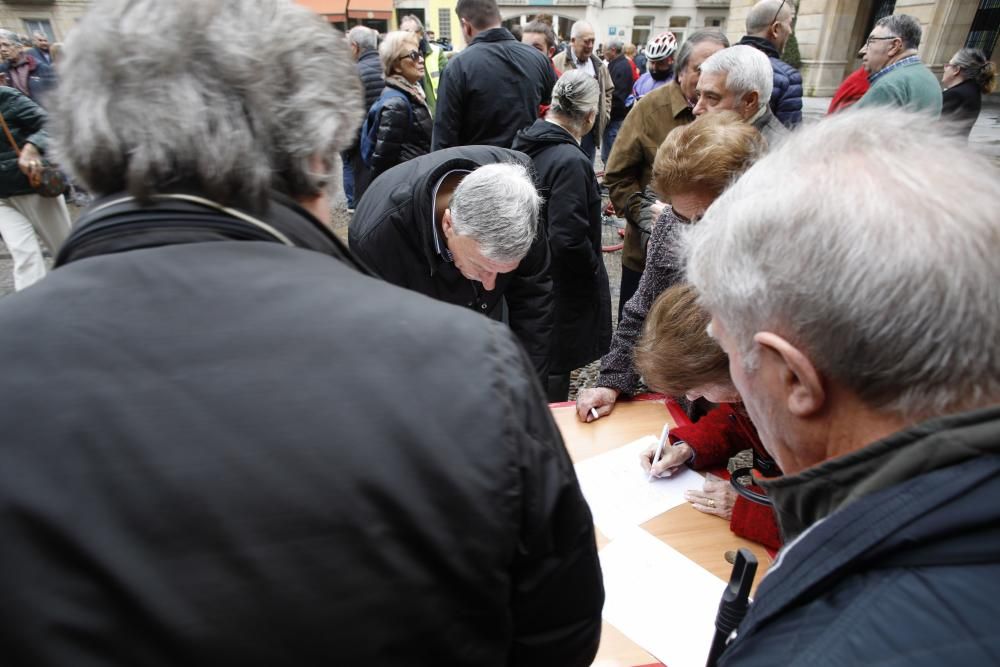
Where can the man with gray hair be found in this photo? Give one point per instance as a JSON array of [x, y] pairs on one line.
[[620, 71], [225, 442], [460, 225], [769, 25], [740, 79], [895, 73], [580, 55], [862, 336], [363, 42]]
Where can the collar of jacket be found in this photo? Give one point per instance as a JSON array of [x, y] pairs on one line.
[[542, 132], [679, 104], [761, 44], [120, 227], [368, 54], [803, 499], [493, 35]]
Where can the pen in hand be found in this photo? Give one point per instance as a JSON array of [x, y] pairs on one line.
[[593, 413], [659, 449]]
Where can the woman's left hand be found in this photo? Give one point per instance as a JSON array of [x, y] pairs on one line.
[[716, 497], [30, 160]]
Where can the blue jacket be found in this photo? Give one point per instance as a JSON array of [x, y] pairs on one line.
[[786, 97], [905, 569]]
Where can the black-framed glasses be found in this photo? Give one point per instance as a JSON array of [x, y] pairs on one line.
[[868, 42], [414, 55], [777, 13]]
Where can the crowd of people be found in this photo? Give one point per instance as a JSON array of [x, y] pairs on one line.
[[231, 438]]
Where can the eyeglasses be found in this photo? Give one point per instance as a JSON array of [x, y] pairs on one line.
[[869, 41], [778, 13]]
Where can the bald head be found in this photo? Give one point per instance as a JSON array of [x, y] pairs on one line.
[[772, 20]]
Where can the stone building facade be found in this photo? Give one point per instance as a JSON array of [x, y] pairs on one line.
[[53, 17]]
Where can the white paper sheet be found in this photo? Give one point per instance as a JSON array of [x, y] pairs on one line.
[[620, 493], [659, 599]]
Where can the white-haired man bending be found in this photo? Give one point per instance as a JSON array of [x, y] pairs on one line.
[[861, 312], [740, 79]]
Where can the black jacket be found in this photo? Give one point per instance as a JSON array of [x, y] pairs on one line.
[[905, 569], [404, 131], [786, 96], [392, 232], [219, 450], [961, 104], [26, 121], [572, 219], [490, 90], [372, 79], [621, 74]]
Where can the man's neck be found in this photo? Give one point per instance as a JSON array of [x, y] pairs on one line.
[[475, 33], [579, 59], [901, 56]]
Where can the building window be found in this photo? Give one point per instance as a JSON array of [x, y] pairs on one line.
[[985, 27], [679, 21], [31, 26], [715, 22], [641, 27], [444, 24]]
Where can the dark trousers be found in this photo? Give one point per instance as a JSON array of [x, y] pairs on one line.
[[588, 146], [558, 388], [629, 285]]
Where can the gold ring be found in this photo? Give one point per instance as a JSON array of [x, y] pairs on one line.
[[711, 503]]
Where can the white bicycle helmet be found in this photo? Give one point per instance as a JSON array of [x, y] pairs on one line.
[[661, 46]]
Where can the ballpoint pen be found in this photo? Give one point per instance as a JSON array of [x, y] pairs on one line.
[[659, 449]]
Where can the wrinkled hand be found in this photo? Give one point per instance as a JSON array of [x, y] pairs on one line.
[[600, 398], [716, 497], [30, 160], [656, 209], [671, 459]]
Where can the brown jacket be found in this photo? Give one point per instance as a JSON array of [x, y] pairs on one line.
[[630, 166], [564, 63]]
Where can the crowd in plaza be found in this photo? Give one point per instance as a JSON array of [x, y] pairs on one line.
[[232, 438]]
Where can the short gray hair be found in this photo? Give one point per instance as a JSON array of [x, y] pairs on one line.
[[696, 38], [615, 44], [746, 70], [497, 206], [575, 96], [903, 26], [363, 37], [579, 27], [881, 265], [210, 97], [764, 13], [415, 20]]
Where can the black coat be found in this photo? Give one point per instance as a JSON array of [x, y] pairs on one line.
[[370, 72], [961, 104], [220, 450], [906, 575], [404, 131], [620, 70], [392, 232], [26, 121], [490, 90], [572, 219]]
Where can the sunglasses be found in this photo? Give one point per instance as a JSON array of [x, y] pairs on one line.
[[414, 55]]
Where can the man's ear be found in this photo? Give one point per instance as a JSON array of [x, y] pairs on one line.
[[752, 102], [446, 227], [800, 381]]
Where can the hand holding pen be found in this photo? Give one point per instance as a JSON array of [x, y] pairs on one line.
[[662, 460]]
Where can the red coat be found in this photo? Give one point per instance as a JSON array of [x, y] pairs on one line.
[[715, 438], [852, 89]]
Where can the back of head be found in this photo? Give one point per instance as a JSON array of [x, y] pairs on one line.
[[363, 37], [764, 13], [675, 354], [975, 66], [706, 156], [879, 263], [480, 14], [497, 206], [575, 96], [615, 45], [542, 28], [713, 35], [746, 70], [205, 97], [904, 26]]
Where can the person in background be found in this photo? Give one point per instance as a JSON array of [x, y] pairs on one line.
[[660, 58], [896, 75], [860, 311], [22, 211], [571, 219], [966, 78], [676, 356], [620, 70], [630, 54], [769, 25], [640, 59], [539, 35], [363, 43], [851, 89], [693, 166], [580, 55], [209, 404], [28, 75], [41, 49], [435, 60], [404, 121]]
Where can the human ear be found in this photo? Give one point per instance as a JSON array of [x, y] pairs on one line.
[[446, 227], [799, 381]]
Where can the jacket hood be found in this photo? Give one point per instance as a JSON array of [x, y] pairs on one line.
[[534, 139], [813, 494], [761, 44]]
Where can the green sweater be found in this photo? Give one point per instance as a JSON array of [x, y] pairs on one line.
[[911, 86]]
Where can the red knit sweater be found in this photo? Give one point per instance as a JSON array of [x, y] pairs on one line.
[[715, 438]]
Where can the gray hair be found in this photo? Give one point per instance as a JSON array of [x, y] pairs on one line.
[[764, 13], [881, 265], [973, 65], [497, 206], [412, 18], [579, 27], [696, 38], [575, 96], [746, 69], [903, 26], [363, 37], [615, 44], [210, 97], [393, 47]]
